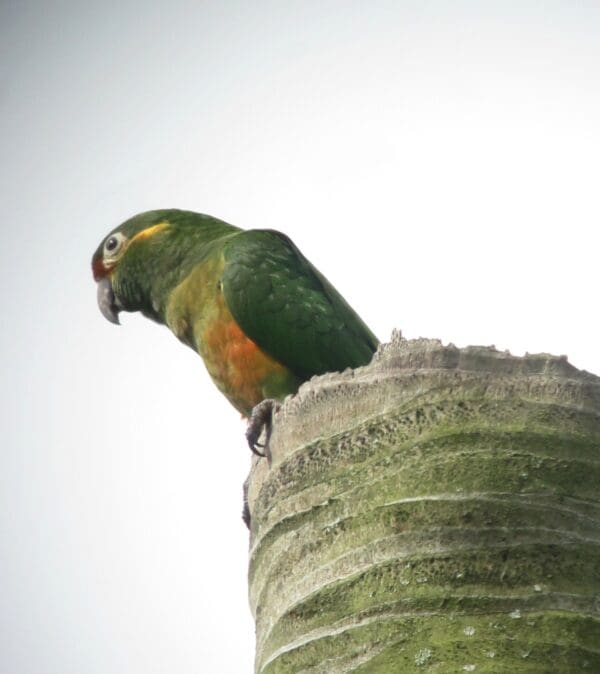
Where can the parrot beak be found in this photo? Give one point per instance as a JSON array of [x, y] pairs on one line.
[[107, 302]]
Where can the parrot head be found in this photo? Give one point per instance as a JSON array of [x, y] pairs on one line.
[[139, 262], [122, 263]]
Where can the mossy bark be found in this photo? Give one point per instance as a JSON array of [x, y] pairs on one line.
[[436, 511]]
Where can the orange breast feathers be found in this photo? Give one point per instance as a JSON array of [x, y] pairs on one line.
[[243, 372], [198, 314]]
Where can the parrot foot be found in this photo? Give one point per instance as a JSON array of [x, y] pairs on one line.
[[261, 418]]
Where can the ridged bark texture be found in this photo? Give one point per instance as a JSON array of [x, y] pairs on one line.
[[436, 511]]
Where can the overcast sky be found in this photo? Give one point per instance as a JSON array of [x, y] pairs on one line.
[[438, 161]]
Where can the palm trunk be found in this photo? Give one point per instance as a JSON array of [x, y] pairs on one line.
[[436, 511]]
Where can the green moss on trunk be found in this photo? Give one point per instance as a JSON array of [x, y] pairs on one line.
[[436, 511]]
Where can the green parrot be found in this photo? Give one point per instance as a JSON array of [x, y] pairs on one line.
[[261, 316]]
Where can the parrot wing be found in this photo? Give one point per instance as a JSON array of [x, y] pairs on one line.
[[289, 309]]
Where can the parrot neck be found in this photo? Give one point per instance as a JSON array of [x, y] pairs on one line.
[[162, 263]]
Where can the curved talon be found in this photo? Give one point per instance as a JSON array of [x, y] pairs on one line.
[[252, 438], [256, 451], [261, 418]]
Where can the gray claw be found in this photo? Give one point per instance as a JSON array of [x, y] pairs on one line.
[[261, 418]]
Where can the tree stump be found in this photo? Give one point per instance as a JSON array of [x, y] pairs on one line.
[[435, 511]]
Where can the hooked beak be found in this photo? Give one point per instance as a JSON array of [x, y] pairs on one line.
[[107, 302]]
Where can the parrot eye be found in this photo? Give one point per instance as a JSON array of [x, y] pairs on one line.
[[113, 244]]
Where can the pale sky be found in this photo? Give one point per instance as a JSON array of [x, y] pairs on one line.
[[438, 161]]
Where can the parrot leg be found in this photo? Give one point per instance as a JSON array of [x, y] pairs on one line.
[[261, 418]]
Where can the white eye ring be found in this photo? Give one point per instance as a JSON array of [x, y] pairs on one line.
[[113, 244]]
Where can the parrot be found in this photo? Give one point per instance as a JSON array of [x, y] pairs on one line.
[[261, 316]]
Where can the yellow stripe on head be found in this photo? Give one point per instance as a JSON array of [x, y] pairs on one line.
[[149, 231]]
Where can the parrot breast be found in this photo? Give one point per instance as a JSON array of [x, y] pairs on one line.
[[243, 372]]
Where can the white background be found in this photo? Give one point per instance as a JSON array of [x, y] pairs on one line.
[[438, 161]]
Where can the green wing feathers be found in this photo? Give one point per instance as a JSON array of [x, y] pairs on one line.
[[289, 309]]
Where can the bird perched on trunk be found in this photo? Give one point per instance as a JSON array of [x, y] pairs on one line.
[[261, 316]]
